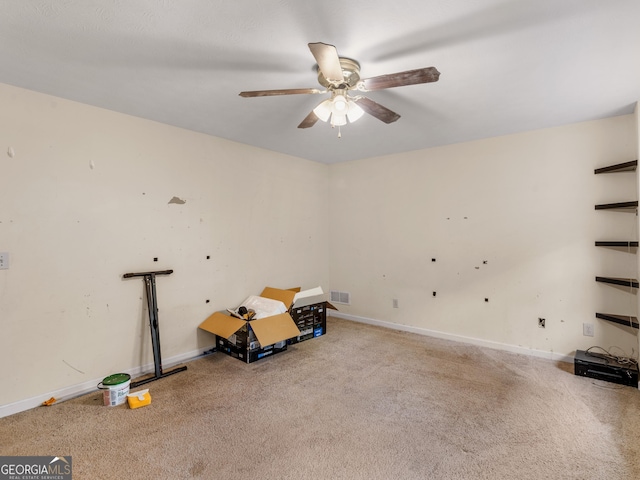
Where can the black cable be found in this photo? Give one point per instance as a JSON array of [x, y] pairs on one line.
[[621, 360]]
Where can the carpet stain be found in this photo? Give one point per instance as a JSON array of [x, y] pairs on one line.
[[197, 468]]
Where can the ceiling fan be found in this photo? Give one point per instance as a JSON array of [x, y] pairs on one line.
[[341, 75]]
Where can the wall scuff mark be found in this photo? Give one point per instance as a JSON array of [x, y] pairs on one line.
[[71, 366], [177, 201]]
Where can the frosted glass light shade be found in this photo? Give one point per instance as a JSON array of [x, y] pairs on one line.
[[323, 111], [340, 105], [338, 120], [355, 112]]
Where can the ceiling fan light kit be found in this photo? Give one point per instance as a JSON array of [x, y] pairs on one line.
[[339, 108], [341, 74]]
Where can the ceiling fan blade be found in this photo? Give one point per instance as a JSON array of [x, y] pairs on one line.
[[309, 121], [288, 91], [410, 77], [377, 110], [328, 61]]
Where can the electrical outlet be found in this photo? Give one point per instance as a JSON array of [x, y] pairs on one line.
[[4, 260], [542, 322], [395, 303], [587, 329]]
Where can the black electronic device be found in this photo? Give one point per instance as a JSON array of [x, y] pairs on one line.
[[593, 365]]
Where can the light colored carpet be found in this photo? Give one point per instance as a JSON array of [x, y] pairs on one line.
[[361, 402]]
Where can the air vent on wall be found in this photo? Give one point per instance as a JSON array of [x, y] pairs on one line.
[[341, 297]]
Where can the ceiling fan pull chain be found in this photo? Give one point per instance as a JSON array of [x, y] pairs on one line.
[[339, 132]]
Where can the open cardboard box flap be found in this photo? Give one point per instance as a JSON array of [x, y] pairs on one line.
[[285, 296], [275, 328], [222, 324], [295, 298], [268, 330], [303, 302]]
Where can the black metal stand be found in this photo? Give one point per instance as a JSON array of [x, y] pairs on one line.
[[150, 282]]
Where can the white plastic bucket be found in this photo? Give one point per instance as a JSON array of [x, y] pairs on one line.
[[115, 389]]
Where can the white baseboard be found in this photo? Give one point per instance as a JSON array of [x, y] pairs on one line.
[[456, 338], [91, 385]]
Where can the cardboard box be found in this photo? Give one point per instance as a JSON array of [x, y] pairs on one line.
[[251, 340], [307, 308], [310, 316], [249, 356]]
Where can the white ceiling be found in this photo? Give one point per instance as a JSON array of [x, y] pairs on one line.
[[506, 66]]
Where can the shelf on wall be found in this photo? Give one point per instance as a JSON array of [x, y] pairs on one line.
[[625, 282], [616, 243], [618, 205], [626, 320], [620, 167]]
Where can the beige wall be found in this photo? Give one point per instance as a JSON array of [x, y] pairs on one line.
[[524, 204], [85, 199]]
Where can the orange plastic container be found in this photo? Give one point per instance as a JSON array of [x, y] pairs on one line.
[[139, 399]]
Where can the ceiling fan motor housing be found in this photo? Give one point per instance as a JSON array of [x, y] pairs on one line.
[[350, 74]]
